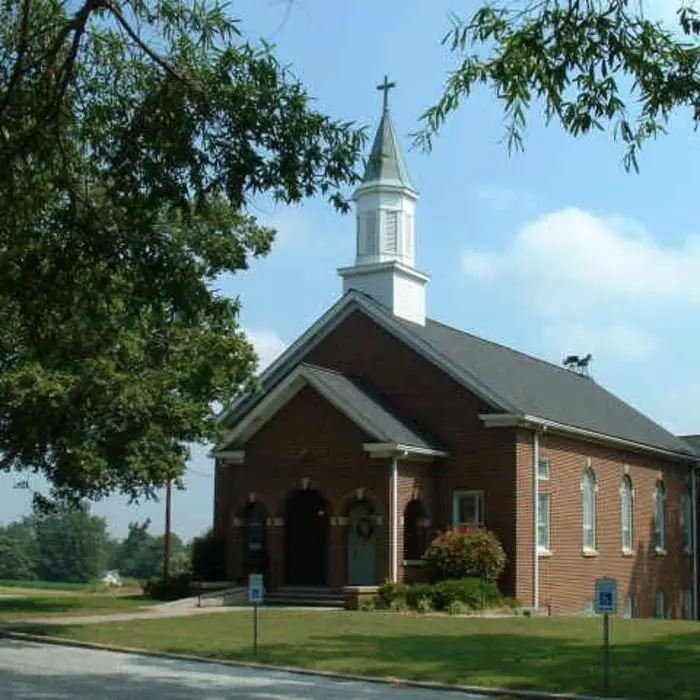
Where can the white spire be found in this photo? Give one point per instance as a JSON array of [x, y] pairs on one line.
[[385, 206]]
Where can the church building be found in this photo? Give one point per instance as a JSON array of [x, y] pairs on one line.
[[380, 427]]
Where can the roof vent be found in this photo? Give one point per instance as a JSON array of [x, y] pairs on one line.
[[579, 365]]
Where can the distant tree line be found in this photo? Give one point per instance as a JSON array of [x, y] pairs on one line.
[[73, 546]]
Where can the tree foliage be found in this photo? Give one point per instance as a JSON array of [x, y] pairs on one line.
[[591, 64], [133, 135], [15, 561], [140, 555], [71, 545]]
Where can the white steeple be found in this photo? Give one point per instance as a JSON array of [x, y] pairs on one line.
[[385, 204]]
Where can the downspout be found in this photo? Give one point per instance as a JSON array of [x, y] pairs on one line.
[[694, 536], [394, 500], [536, 514]]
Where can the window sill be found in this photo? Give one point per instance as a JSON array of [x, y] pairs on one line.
[[660, 552], [627, 552], [414, 563], [544, 552], [590, 552]]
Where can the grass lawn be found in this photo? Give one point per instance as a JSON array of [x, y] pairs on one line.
[[650, 659], [41, 604]]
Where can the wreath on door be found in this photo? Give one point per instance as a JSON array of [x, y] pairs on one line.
[[365, 528]]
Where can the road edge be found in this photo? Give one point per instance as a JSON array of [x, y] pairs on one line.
[[503, 693]]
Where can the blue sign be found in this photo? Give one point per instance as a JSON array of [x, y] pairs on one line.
[[256, 589], [605, 596]]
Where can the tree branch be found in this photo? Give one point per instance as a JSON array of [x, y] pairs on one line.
[[24, 40], [141, 44]]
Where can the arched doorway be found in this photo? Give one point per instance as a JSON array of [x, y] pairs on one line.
[[306, 539], [362, 545]]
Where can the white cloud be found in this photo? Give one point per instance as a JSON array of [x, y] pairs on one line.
[[268, 345], [506, 198], [616, 341], [571, 262]]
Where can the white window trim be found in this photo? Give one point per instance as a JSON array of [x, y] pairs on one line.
[[660, 597], [548, 462], [545, 551], [660, 548], [456, 495], [688, 534], [587, 549], [627, 551]]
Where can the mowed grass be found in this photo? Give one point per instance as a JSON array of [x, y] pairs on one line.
[[32, 603], [650, 658]]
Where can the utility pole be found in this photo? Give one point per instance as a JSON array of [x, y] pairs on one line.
[[167, 549]]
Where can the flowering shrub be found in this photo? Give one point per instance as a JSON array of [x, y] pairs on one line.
[[469, 552]]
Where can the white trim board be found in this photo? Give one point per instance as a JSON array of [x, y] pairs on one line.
[[517, 420], [285, 390]]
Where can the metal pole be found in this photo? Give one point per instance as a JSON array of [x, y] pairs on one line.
[[167, 549], [255, 629], [606, 652]]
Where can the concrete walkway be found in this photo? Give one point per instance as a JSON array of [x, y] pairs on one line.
[[179, 608]]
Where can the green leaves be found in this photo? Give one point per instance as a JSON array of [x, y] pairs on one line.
[[133, 135], [591, 65]]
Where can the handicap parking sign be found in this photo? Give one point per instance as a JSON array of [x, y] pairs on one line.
[[605, 596], [255, 588]]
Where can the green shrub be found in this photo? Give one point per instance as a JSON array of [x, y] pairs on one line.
[[416, 591], [389, 592], [171, 588], [398, 605], [473, 552], [424, 605], [457, 607], [512, 603], [473, 592], [368, 604]]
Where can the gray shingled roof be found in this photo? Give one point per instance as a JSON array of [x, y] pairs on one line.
[[534, 387], [694, 441], [388, 424]]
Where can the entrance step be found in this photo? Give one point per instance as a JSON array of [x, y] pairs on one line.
[[305, 597]]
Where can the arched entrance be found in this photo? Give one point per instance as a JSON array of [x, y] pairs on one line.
[[362, 545], [306, 539]]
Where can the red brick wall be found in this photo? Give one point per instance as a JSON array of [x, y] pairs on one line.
[[310, 439], [479, 458], [306, 439], [567, 577]]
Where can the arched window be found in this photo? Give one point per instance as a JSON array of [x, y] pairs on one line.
[[414, 531], [660, 515], [255, 527], [687, 515], [588, 486], [627, 505]]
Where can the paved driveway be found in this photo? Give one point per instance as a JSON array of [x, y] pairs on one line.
[[31, 671]]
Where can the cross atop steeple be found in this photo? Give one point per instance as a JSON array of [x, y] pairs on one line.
[[385, 87]]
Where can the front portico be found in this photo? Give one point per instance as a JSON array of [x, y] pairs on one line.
[[320, 502]]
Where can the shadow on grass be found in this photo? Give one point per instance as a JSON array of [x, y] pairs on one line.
[[38, 605]]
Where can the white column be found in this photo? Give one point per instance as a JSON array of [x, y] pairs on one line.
[[536, 512], [394, 501]]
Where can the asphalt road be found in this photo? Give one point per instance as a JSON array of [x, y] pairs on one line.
[[31, 671]]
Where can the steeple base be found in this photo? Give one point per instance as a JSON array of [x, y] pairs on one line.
[[399, 288]]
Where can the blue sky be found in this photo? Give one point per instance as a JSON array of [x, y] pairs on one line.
[[552, 251]]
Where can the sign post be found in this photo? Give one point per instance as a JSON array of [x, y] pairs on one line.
[[605, 601], [255, 596]]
